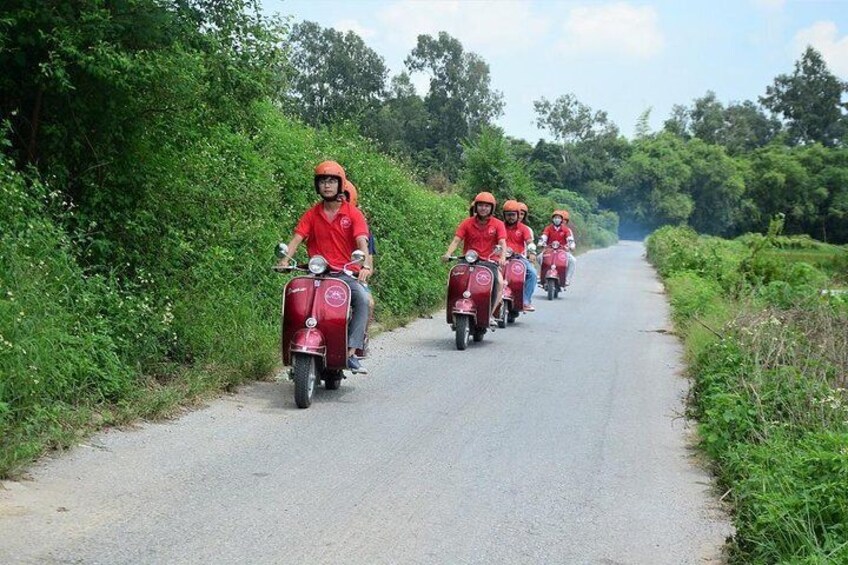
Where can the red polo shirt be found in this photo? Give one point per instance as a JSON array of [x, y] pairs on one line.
[[517, 235], [482, 238], [560, 234], [334, 240]]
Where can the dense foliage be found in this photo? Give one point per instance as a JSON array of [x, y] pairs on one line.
[[768, 358], [142, 194], [722, 169]]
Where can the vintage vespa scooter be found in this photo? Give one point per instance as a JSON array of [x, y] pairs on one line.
[[514, 291], [554, 267], [469, 300], [315, 316]]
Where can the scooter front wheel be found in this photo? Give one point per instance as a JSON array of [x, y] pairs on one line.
[[303, 372], [463, 331], [549, 287]]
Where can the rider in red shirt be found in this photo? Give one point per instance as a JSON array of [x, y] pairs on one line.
[[334, 229], [558, 231], [481, 233]]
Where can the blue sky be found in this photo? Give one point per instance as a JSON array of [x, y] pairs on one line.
[[618, 56]]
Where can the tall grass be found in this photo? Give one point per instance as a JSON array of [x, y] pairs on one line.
[[768, 358]]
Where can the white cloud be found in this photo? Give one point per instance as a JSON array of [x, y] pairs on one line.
[[618, 29], [825, 38], [504, 25], [355, 27]]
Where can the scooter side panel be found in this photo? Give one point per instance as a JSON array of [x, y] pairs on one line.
[[457, 284], [515, 273], [481, 282], [296, 308], [332, 310]]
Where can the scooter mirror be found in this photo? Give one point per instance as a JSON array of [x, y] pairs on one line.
[[531, 248], [357, 256], [281, 251]]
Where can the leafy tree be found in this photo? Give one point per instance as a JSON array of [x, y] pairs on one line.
[[739, 127], [643, 124], [80, 79], [400, 124], [746, 127], [778, 183], [811, 101], [569, 120], [653, 182], [460, 100], [335, 76], [716, 186], [707, 118], [678, 122], [489, 164]]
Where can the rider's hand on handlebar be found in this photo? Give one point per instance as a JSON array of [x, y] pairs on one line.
[[363, 275], [446, 257]]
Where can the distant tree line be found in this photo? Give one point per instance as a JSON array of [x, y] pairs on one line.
[[723, 169]]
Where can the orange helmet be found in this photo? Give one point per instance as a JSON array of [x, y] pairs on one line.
[[562, 213], [351, 192], [522, 207], [483, 198], [511, 206], [330, 169]]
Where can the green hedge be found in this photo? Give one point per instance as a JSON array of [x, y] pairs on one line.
[[147, 293], [766, 354]]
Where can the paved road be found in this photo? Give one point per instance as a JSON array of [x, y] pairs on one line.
[[557, 440]]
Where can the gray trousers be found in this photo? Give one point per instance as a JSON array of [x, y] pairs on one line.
[[358, 311]]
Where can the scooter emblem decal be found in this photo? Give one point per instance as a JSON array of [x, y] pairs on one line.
[[335, 296], [517, 268], [483, 277], [294, 290]]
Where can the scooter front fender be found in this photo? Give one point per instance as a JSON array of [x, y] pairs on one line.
[[464, 306], [309, 341]]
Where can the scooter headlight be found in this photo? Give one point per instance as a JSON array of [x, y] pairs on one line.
[[471, 257], [318, 265], [555, 245]]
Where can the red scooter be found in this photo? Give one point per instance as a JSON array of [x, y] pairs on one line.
[[554, 266], [469, 300], [315, 315], [514, 291]]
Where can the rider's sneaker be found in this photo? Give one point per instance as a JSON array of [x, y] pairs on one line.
[[356, 366], [529, 308]]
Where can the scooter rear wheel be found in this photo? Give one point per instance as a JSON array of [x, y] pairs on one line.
[[463, 331], [303, 373], [333, 380], [505, 306], [333, 383]]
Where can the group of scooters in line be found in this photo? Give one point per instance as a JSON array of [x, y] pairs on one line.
[[326, 310]]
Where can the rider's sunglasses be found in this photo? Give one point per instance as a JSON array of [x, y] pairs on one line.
[[327, 180]]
